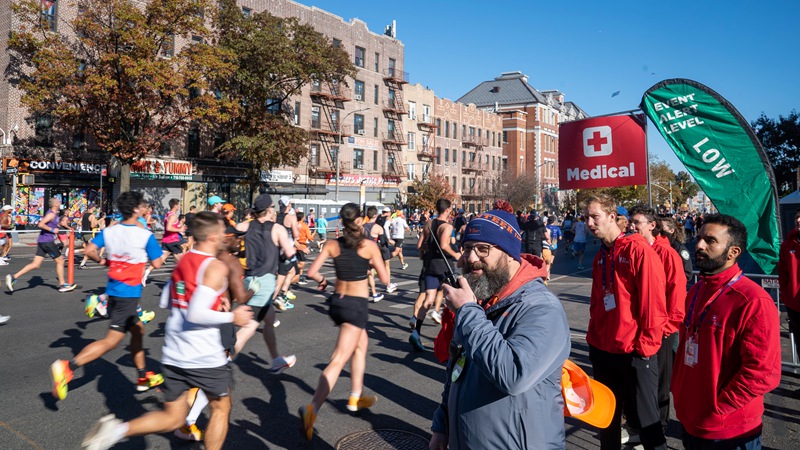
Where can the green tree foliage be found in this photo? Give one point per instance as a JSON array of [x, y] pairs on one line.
[[110, 74], [781, 140], [274, 58], [423, 194]]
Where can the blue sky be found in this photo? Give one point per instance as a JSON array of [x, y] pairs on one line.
[[746, 51]]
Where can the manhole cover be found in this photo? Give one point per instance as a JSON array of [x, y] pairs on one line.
[[382, 440]]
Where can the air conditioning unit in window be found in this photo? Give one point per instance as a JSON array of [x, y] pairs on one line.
[[359, 166], [360, 97], [362, 132]]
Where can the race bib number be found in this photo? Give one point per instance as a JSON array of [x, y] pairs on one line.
[[690, 352], [609, 302]]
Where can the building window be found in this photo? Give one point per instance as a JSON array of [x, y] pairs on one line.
[[505, 164], [390, 162], [426, 113], [464, 157], [358, 124], [392, 64], [273, 106], [455, 130], [412, 140], [43, 130], [337, 43], [412, 110], [390, 127], [455, 152], [472, 132], [493, 137], [439, 155], [315, 117], [197, 40], [377, 62], [375, 161], [492, 162], [168, 46], [359, 90], [505, 137], [375, 128], [446, 156], [297, 113], [376, 94], [361, 54], [463, 185], [246, 11], [193, 143], [446, 129], [358, 159], [313, 157], [410, 171], [335, 120], [463, 131], [438, 127], [455, 182], [219, 139], [50, 15]]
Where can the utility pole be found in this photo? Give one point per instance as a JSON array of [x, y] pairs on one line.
[[339, 150]]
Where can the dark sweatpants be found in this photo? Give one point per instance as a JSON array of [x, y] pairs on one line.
[[666, 357], [634, 382]]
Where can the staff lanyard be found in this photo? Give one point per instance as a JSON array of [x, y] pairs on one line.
[[608, 278], [714, 298]]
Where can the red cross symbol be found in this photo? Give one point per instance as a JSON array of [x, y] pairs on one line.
[[597, 141]]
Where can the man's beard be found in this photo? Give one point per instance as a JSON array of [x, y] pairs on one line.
[[708, 264], [491, 281]]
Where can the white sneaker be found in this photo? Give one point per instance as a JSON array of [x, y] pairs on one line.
[[144, 278], [376, 298], [279, 305], [102, 308], [4, 319], [3, 262], [103, 434], [629, 435], [391, 288], [282, 363], [436, 316]]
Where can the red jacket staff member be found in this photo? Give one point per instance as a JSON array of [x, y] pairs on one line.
[[789, 279], [627, 316], [729, 353]]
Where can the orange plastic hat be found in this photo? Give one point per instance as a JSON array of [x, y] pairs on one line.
[[584, 398]]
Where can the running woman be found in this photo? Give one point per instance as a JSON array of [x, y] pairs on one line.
[[352, 255], [129, 248], [193, 354], [6, 225], [46, 245]]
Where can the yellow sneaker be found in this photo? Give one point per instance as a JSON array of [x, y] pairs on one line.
[[365, 401], [189, 433], [90, 304], [147, 316], [149, 381], [61, 375], [308, 416], [290, 295]]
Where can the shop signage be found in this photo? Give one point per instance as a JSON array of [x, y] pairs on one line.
[[162, 169], [363, 143], [277, 176], [38, 166], [366, 180]]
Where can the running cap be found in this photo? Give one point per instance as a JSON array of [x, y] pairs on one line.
[[214, 200], [7, 207], [262, 202], [584, 398]]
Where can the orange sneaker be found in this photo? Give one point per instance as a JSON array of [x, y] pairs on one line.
[[61, 375], [356, 403]]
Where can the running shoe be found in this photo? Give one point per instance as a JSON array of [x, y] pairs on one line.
[[144, 278], [377, 297], [90, 304], [82, 266], [287, 303], [10, 280], [276, 323], [279, 304], [102, 306], [436, 316], [6, 258], [103, 434], [391, 288], [3, 262], [190, 433], [416, 341], [61, 375], [365, 401], [147, 316], [282, 363], [308, 416], [66, 287], [149, 381], [290, 295], [303, 280], [412, 322], [4, 319], [405, 266]]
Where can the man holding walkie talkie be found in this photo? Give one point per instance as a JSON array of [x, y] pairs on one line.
[[434, 248], [510, 340]]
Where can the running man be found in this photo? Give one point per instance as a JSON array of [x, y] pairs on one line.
[[129, 247], [398, 227], [302, 245], [193, 355], [88, 225], [46, 245], [322, 231], [288, 264]]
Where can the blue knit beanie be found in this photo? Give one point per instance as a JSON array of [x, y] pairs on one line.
[[496, 227]]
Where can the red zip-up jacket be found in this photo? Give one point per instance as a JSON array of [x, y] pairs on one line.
[[738, 358], [676, 283], [635, 275], [789, 271]]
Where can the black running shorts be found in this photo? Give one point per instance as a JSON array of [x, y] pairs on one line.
[[398, 243], [349, 309], [259, 312], [173, 247], [122, 313], [301, 257], [285, 266], [48, 249], [216, 382]]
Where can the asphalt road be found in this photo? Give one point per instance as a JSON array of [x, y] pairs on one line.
[[47, 325]]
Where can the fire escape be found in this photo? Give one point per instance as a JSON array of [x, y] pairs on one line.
[[394, 109], [327, 129], [427, 153]]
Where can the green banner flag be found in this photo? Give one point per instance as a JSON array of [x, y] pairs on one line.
[[725, 157]]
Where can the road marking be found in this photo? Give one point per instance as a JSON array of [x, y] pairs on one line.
[[579, 336], [401, 306], [22, 436]]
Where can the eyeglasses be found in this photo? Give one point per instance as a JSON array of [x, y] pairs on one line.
[[481, 250], [640, 222]]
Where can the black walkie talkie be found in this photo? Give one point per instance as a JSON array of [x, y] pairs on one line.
[[449, 276]]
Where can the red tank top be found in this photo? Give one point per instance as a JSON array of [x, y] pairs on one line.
[[185, 277]]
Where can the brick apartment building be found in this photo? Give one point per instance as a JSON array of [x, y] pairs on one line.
[[530, 127]]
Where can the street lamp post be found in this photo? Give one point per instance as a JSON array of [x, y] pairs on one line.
[[338, 150], [537, 189], [671, 206]]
